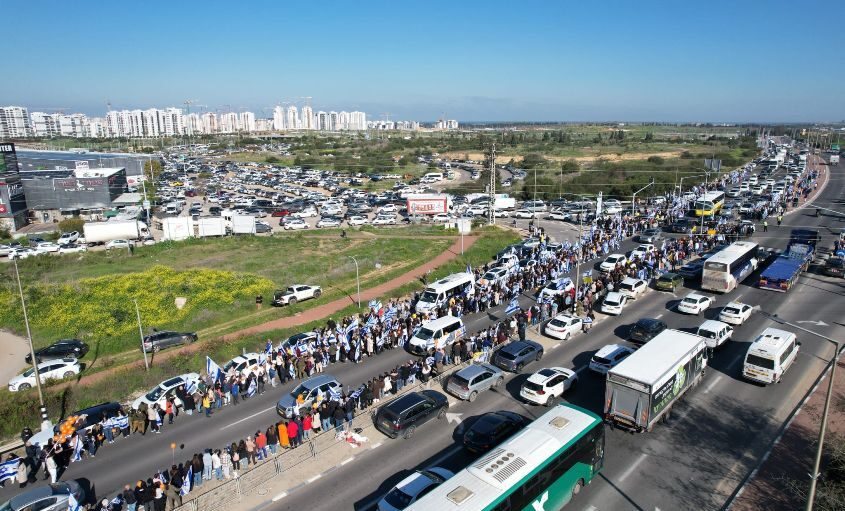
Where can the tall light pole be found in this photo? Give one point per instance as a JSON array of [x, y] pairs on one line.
[[141, 333], [814, 476], [357, 279], [634, 197], [45, 422]]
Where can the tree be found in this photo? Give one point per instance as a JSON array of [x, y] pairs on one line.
[[71, 224], [657, 160]]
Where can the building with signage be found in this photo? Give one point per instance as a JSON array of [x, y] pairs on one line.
[[53, 194], [13, 208]]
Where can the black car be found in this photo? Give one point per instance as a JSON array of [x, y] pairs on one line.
[[63, 348], [491, 429], [692, 270], [682, 226], [835, 267], [645, 330], [402, 416], [166, 339]]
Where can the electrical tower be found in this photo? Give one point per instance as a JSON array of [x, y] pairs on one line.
[[491, 218]]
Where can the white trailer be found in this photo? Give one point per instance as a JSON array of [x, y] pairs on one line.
[[102, 232], [211, 226], [177, 228], [834, 159]]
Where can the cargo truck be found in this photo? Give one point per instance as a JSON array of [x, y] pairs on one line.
[[177, 228], [211, 226], [785, 270], [644, 387], [834, 159], [102, 232]]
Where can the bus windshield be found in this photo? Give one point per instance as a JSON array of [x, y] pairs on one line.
[[755, 360]]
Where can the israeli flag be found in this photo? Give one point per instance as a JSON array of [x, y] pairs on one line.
[[513, 306], [375, 305], [371, 321], [390, 313], [72, 504], [191, 386], [120, 421], [9, 469], [334, 394], [186, 484], [380, 340], [250, 391], [351, 328], [331, 338], [291, 371], [269, 347], [469, 269], [563, 283], [262, 357], [301, 347], [211, 368]]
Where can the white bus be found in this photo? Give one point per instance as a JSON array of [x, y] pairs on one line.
[[770, 355], [730, 266], [440, 292], [541, 467]]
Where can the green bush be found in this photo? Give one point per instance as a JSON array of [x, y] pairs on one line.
[[71, 224]]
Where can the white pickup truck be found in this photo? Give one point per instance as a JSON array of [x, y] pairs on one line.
[[296, 293]]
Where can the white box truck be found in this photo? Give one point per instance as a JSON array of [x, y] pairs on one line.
[[834, 159], [642, 389], [102, 232], [237, 223], [211, 226], [177, 228]]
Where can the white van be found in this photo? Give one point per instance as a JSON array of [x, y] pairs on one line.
[[440, 333], [439, 292], [173, 209], [435, 176], [770, 355], [715, 333]]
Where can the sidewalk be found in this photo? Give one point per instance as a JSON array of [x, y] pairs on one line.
[[327, 309], [791, 460]]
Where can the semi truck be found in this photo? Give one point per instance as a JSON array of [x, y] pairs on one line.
[[787, 267], [644, 387], [237, 223], [211, 226], [177, 228], [102, 232]]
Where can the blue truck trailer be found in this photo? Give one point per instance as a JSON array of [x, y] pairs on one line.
[[785, 270]]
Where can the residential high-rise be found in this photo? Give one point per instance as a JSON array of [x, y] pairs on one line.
[[210, 123], [308, 119], [229, 122], [357, 121], [293, 121], [14, 122], [279, 118], [332, 121], [322, 119], [246, 122], [193, 124], [44, 124]]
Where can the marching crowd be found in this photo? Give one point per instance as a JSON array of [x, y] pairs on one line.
[[382, 327]]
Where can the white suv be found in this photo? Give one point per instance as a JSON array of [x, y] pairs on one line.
[[160, 392]]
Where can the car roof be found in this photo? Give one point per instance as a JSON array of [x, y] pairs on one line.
[[548, 373], [736, 304], [610, 349], [614, 294], [316, 381], [515, 346], [648, 321], [630, 280], [473, 370], [712, 324], [36, 494], [695, 295], [405, 402]]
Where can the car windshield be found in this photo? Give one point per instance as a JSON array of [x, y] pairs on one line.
[[611, 301], [460, 380], [506, 355], [424, 334], [154, 394], [691, 301], [626, 286], [28, 372], [665, 278], [601, 360], [398, 499], [300, 389], [707, 334], [429, 297]]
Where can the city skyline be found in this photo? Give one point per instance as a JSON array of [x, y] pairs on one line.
[[538, 62]]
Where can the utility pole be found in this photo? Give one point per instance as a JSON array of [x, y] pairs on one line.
[[491, 218], [45, 422]]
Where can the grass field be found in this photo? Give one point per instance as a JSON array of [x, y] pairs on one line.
[[20, 409]]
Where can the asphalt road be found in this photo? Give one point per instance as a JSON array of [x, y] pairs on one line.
[[714, 438]]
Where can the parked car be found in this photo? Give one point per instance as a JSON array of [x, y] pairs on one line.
[[47, 248], [68, 237], [694, 303], [524, 213], [118, 244], [491, 429], [383, 220], [165, 339], [356, 220], [21, 253], [50, 370], [474, 379], [328, 222], [310, 390], [645, 329], [642, 251], [63, 348], [163, 390], [613, 303], [834, 267], [403, 415], [51, 497], [692, 270], [516, 354], [416, 485], [631, 288], [493, 276], [262, 227], [544, 386], [72, 248], [563, 326], [612, 261], [735, 313], [669, 282], [291, 224], [608, 357]]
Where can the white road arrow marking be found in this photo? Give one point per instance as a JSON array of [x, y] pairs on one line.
[[453, 417], [817, 323]]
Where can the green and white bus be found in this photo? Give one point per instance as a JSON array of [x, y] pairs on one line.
[[538, 469]]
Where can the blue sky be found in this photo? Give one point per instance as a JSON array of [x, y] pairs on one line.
[[720, 60]]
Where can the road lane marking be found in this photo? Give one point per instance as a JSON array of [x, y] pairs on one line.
[[376, 446], [633, 467], [347, 460], [713, 383], [554, 346], [659, 316], [280, 496], [312, 479], [249, 417]]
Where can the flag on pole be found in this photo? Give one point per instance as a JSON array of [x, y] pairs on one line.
[[250, 391], [334, 394], [268, 348], [9, 469], [390, 313], [186, 484], [375, 305], [469, 269], [211, 368], [513, 306]]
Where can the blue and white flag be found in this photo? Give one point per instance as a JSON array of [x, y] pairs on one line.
[[191, 386], [331, 338], [351, 328], [119, 421], [9, 469], [469, 269], [77, 449], [291, 371], [513, 306], [301, 347], [372, 320], [212, 369], [250, 391], [268, 348], [390, 313], [186, 484], [375, 305], [72, 504], [334, 394]]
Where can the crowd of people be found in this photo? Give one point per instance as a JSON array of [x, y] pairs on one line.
[[354, 338]]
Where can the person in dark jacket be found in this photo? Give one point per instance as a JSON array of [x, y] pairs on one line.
[[337, 416], [129, 498]]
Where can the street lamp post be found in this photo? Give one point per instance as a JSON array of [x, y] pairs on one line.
[[45, 422], [141, 333], [814, 476], [634, 197], [357, 279]]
